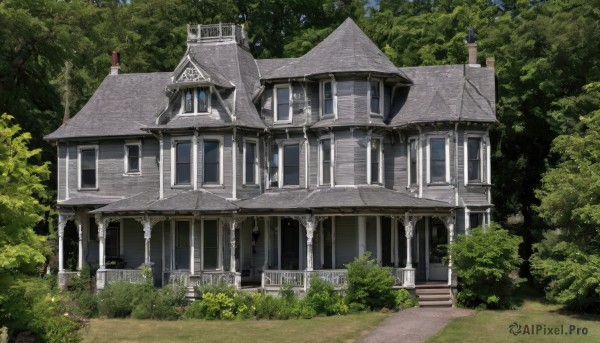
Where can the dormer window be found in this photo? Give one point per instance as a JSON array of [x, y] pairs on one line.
[[375, 99], [195, 101]]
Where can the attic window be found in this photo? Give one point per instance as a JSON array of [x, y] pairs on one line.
[[195, 101]]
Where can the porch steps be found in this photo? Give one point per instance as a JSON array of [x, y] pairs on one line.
[[434, 295]]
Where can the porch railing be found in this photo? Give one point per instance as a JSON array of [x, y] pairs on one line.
[[106, 276], [204, 278], [403, 277]]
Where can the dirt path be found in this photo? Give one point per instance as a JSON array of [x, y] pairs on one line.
[[414, 325]]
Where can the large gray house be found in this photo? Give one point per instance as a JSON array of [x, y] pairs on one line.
[[267, 171]]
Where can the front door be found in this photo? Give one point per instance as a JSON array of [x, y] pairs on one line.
[[290, 244], [438, 238]]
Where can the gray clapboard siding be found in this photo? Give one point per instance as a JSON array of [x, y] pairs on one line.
[[344, 157], [361, 100], [360, 157], [62, 170], [460, 222], [345, 99], [346, 240]]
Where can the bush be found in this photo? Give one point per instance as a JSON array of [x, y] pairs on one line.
[[212, 306], [81, 300], [61, 329], [369, 284], [119, 299], [268, 307], [220, 287], [568, 272], [162, 304], [405, 300], [484, 262], [324, 299]]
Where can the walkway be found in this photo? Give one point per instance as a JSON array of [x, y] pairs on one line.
[[414, 325]]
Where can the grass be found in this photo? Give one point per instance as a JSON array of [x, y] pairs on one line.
[[321, 329], [493, 326]]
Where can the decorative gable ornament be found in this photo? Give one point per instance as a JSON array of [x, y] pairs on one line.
[[190, 74]]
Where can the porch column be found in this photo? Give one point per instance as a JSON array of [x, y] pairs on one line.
[[62, 222], [266, 238], [79, 245], [147, 224], [408, 228], [310, 230], [362, 236], [102, 224], [232, 227], [450, 226]]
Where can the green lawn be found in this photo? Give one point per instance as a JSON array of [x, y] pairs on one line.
[[493, 326], [320, 329]]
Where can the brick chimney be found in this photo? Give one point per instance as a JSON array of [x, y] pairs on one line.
[[472, 46], [115, 69], [490, 62]]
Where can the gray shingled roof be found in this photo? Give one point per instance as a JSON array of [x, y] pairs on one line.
[[347, 49], [121, 106], [339, 197], [212, 75], [446, 93], [186, 201]]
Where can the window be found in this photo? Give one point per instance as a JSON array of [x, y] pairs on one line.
[[88, 167], [274, 166], [182, 245], [195, 100], [474, 159], [291, 165], [212, 158], [438, 166], [413, 170], [475, 220], [250, 163], [133, 158], [282, 103], [211, 244], [183, 165], [375, 171], [327, 97], [325, 162], [375, 96]]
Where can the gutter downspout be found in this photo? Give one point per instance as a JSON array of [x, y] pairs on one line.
[[161, 171], [234, 164], [306, 147], [456, 177], [420, 162], [488, 148]]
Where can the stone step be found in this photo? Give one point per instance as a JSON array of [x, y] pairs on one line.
[[428, 297], [436, 303], [433, 291]]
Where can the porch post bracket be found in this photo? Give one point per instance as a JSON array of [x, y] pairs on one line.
[[310, 231], [102, 223], [148, 223], [62, 222]]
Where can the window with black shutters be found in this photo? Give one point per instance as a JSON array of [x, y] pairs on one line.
[[250, 163]]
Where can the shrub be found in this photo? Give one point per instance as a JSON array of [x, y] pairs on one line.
[[302, 309], [268, 307], [405, 300], [369, 284], [567, 270], [212, 306], [119, 299], [163, 304], [61, 329], [81, 300], [220, 287], [484, 261], [324, 299]]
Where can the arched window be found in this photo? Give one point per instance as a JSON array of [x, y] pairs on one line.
[[188, 102], [202, 100]]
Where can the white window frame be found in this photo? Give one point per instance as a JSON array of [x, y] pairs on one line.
[[195, 101], [96, 147], [270, 155], [408, 158], [275, 107], [447, 159], [330, 171], [220, 139], [381, 162], [174, 141], [381, 88], [256, 154], [482, 170], [126, 159], [322, 98]]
